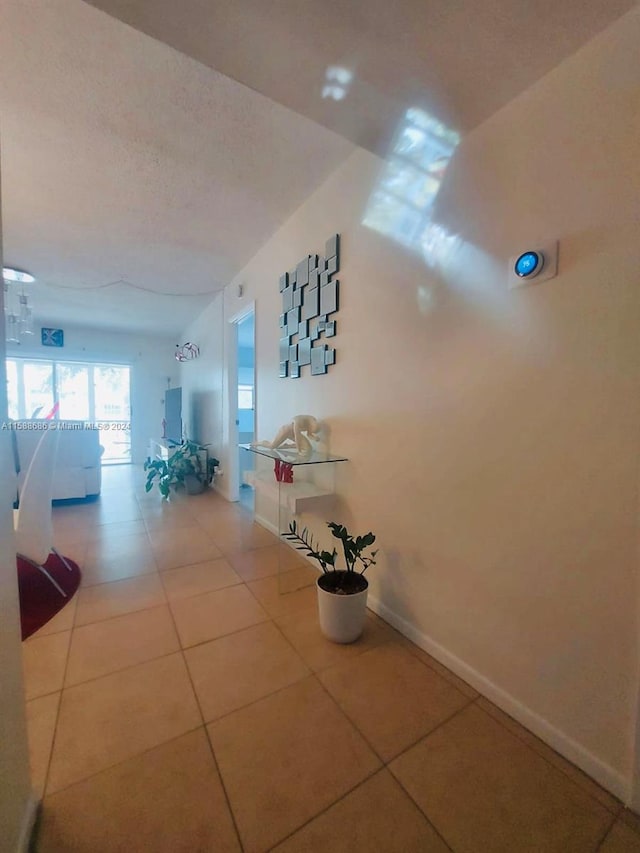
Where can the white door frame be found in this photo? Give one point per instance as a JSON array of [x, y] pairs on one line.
[[231, 395]]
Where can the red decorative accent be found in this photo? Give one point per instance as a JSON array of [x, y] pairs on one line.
[[283, 471], [39, 599], [53, 412]]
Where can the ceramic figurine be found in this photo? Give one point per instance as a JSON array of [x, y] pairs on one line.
[[298, 431]]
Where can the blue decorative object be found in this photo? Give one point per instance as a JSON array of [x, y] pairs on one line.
[[52, 337]]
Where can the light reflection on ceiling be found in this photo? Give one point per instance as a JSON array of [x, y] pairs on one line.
[[401, 205], [337, 82]]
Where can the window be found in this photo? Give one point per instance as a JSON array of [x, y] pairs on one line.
[[96, 393], [245, 396]]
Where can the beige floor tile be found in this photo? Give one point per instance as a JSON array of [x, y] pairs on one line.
[[114, 599], [103, 647], [110, 569], [166, 516], [484, 789], [159, 523], [285, 758], [113, 529], [62, 621], [201, 577], [212, 514], [198, 551], [214, 614], [378, 815], [233, 671], [264, 562], [229, 542], [44, 660], [168, 800], [110, 719], [179, 537], [76, 551], [242, 535], [612, 803], [121, 511], [122, 515], [302, 629], [135, 546], [256, 536], [392, 697], [69, 533], [288, 592], [42, 714], [621, 839], [451, 677]]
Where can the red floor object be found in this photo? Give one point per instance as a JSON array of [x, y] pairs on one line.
[[39, 599]]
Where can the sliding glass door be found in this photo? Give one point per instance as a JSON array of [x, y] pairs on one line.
[[112, 410], [95, 393]]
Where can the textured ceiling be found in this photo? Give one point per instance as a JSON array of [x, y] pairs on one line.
[[124, 159], [460, 60]]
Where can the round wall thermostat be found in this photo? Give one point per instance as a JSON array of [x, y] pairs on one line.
[[529, 264]]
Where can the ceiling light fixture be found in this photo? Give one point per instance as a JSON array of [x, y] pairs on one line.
[[18, 313]]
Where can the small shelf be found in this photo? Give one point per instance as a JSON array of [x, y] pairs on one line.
[[291, 456], [311, 490], [296, 496]]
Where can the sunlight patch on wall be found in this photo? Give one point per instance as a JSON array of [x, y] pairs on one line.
[[401, 205]]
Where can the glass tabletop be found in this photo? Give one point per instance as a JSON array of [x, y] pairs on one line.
[[291, 455]]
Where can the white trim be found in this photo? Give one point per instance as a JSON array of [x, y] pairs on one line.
[[29, 818], [230, 395], [604, 774], [266, 524], [634, 784]]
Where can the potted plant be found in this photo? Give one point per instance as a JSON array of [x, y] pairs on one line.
[[183, 468], [342, 592]]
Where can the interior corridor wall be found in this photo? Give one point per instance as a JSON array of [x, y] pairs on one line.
[[17, 804], [202, 379], [493, 433]]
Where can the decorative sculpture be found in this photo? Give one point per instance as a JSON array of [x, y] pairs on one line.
[[297, 431], [187, 352], [283, 471], [309, 304]]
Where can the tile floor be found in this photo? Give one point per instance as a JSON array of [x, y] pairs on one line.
[[180, 703]]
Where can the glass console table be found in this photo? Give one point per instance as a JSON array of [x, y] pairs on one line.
[[289, 486]]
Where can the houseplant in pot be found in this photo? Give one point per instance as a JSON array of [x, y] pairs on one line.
[[342, 592], [184, 468]]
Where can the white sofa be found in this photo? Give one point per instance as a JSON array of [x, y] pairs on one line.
[[77, 472]]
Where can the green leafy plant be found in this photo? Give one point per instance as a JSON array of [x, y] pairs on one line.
[[353, 548], [184, 462]]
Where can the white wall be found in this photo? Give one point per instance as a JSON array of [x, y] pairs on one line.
[[493, 434], [201, 379], [16, 803], [152, 363]]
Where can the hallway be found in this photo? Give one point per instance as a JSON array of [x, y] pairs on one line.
[[180, 703]]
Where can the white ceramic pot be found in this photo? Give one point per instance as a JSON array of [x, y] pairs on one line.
[[342, 616]]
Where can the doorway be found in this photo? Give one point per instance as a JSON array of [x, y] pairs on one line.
[[245, 411]]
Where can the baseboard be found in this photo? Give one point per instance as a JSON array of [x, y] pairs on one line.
[[267, 525], [605, 775], [28, 823]]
